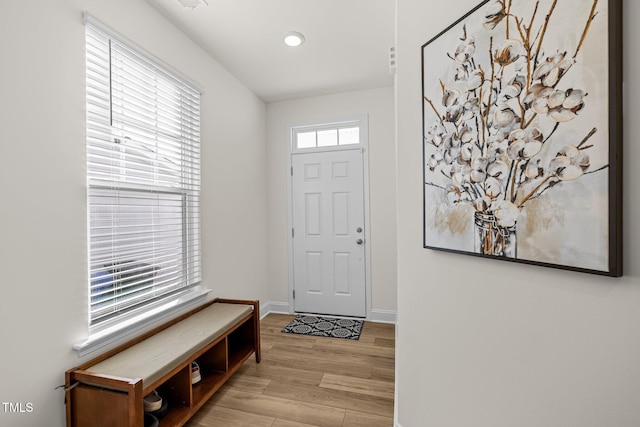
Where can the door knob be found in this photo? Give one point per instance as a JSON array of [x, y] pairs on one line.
[[359, 241]]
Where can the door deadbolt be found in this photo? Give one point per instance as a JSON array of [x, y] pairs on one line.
[[359, 229]]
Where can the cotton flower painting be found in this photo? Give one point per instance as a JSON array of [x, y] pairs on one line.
[[519, 161]]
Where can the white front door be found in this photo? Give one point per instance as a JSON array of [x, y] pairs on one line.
[[328, 233]]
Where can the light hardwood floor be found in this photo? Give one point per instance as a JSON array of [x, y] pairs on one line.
[[306, 381]]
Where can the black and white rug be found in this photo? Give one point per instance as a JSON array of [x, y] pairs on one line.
[[325, 327]]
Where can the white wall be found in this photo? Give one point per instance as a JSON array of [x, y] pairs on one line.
[[42, 181], [495, 344], [378, 104]]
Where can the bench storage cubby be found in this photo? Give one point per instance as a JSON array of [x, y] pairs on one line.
[[109, 390]]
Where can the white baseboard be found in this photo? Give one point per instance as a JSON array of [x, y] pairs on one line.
[[274, 307], [383, 316], [378, 316]]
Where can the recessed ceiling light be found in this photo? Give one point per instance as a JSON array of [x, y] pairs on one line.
[[192, 4], [293, 39]]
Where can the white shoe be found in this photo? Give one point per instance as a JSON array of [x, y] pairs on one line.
[[152, 402], [195, 373]]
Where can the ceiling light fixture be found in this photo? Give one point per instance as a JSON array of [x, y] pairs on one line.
[[193, 3], [293, 39]]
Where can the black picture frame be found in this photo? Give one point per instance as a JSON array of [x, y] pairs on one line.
[[522, 134]]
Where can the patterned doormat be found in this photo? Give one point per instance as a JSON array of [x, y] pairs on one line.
[[325, 327]]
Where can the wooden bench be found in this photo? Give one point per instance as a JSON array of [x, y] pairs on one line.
[[109, 390]]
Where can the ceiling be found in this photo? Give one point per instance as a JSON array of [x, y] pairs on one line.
[[346, 47]]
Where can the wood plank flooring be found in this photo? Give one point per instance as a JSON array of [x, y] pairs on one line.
[[306, 381]]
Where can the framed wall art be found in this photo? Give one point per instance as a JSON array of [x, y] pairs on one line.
[[522, 134]]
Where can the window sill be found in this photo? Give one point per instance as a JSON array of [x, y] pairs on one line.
[[109, 335]]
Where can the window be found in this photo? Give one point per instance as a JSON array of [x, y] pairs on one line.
[[339, 135], [143, 171]]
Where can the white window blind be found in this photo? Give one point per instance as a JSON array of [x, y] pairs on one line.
[[143, 169]]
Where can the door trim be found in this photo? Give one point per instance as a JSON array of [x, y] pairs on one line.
[[362, 121]]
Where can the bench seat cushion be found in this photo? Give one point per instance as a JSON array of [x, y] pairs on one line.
[[156, 356]]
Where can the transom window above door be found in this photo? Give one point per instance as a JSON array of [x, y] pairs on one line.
[[333, 136]]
